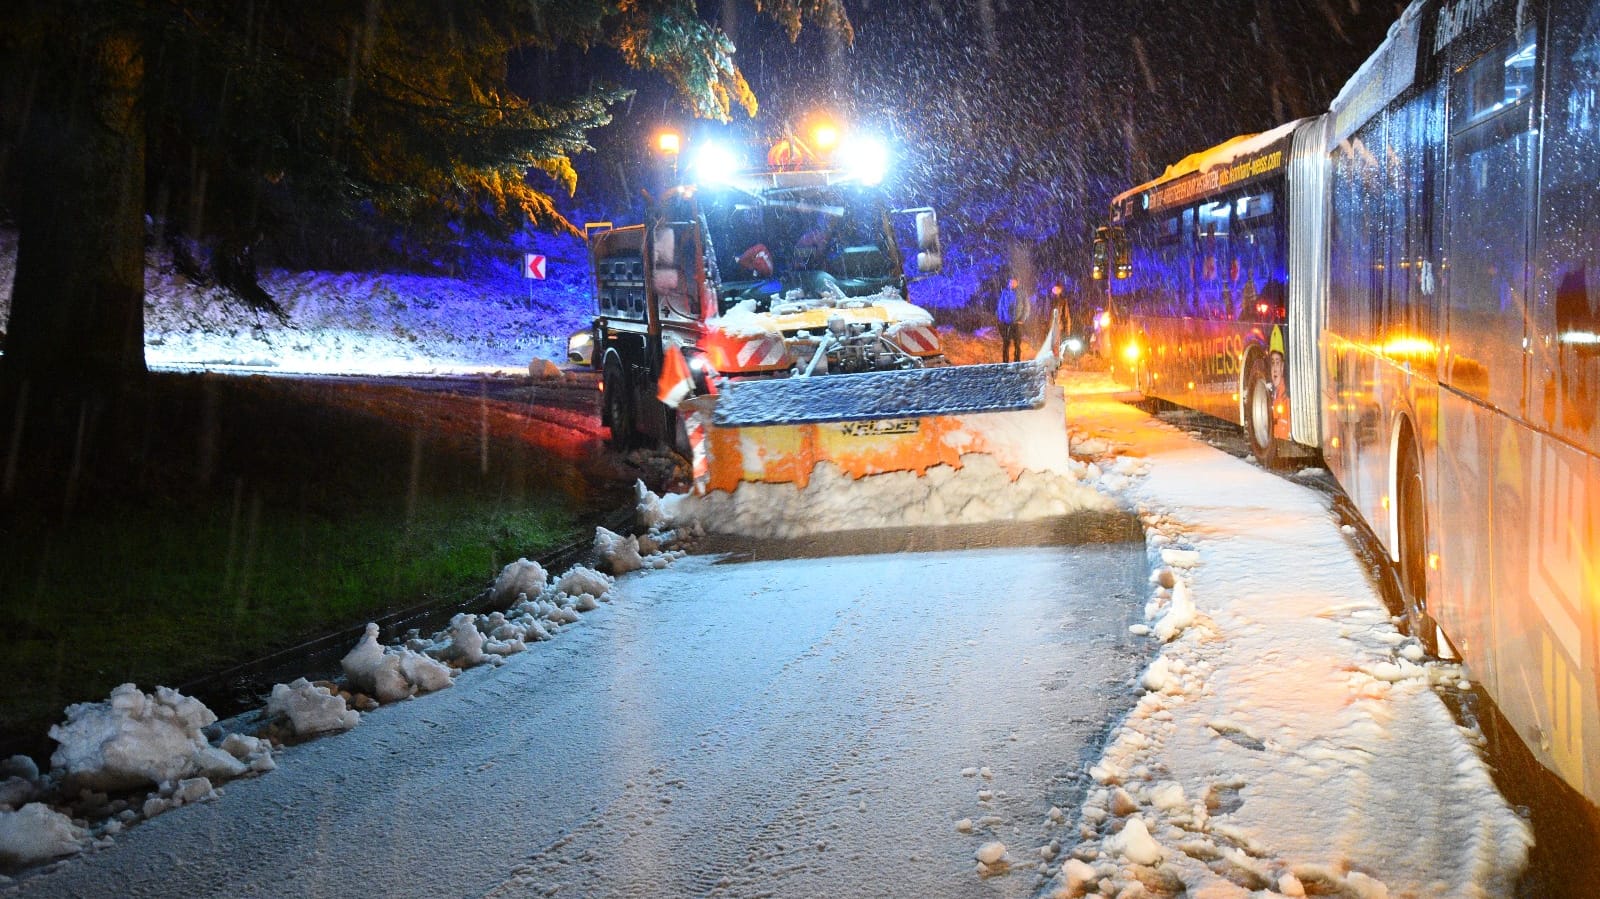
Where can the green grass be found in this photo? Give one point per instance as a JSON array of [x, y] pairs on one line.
[[207, 521]]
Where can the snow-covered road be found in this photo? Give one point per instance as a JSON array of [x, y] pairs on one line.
[[844, 725]]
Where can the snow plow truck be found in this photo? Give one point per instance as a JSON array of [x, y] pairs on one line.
[[758, 324]]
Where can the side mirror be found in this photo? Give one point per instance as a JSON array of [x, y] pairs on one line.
[[664, 247], [928, 235], [930, 255], [665, 276]]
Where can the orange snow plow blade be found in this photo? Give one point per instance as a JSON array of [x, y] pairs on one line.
[[779, 431]]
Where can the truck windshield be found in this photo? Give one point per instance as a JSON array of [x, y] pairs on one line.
[[823, 243]]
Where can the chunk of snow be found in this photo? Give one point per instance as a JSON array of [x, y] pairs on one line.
[[193, 789], [131, 739], [214, 764], [1078, 875], [1168, 796], [1158, 677], [521, 576], [37, 833], [16, 792], [1180, 558], [580, 579], [1180, 614], [1365, 886], [243, 746], [390, 674], [375, 673], [647, 507], [990, 852], [1123, 803], [424, 673], [310, 708], [462, 642], [615, 553], [20, 766], [1135, 844]]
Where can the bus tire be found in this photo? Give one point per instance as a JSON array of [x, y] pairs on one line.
[[618, 410], [1411, 548], [1257, 410]]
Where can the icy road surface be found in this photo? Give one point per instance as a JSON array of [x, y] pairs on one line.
[[737, 725]]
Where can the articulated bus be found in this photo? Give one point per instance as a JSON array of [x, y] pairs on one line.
[[1422, 317]]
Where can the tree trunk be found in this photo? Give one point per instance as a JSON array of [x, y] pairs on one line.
[[77, 303]]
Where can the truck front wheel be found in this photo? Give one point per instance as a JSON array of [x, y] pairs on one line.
[[618, 405]]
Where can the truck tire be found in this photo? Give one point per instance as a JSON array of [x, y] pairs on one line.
[[618, 411]]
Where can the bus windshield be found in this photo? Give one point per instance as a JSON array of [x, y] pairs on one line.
[[798, 244]]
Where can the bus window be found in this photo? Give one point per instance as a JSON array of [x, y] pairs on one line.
[[1565, 395], [1486, 222], [1258, 245], [1171, 229], [1214, 292], [1111, 257]]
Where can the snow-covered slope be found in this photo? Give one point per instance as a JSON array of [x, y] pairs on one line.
[[361, 322]]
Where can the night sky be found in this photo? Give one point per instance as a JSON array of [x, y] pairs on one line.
[[1019, 120]]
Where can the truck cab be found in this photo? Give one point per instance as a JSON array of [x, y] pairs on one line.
[[786, 272]]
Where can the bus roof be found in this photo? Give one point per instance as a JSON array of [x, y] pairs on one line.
[[1220, 156], [1388, 71]]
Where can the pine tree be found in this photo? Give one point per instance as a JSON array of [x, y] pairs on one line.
[[229, 120]]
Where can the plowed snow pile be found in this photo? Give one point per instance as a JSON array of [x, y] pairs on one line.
[[980, 492]]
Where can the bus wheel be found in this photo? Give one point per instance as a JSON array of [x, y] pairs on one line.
[[618, 406], [1258, 414], [1412, 536]]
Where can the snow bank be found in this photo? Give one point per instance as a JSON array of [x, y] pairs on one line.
[[159, 740], [133, 741], [980, 492], [1290, 738], [363, 322]]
